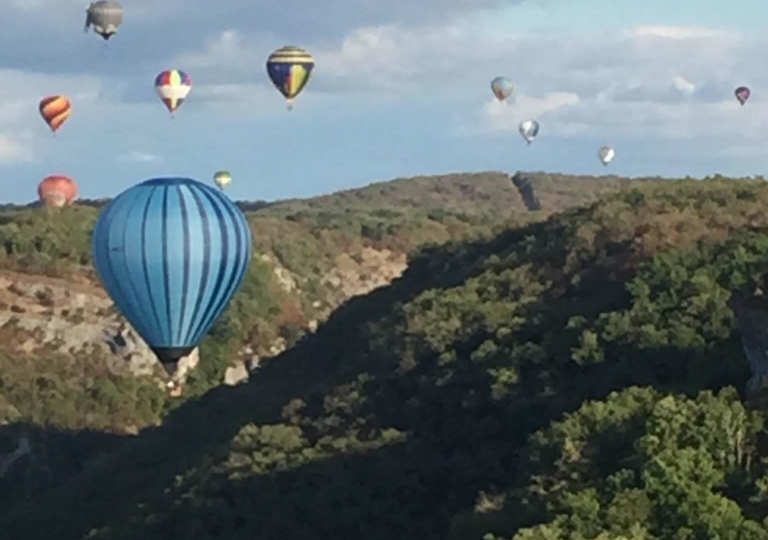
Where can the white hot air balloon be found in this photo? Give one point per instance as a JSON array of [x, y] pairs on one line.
[[606, 154], [529, 129]]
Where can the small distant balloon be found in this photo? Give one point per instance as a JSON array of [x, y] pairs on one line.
[[171, 252], [56, 190], [502, 88], [289, 68], [173, 87], [529, 129], [606, 154], [55, 110], [742, 93], [222, 179], [105, 16]]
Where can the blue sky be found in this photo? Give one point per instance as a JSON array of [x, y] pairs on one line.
[[400, 88]]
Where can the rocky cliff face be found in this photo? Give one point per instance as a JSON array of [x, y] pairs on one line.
[[752, 321], [525, 187], [365, 271], [41, 315]]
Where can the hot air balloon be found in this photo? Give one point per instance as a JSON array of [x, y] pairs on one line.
[[290, 68], [56, 190], [742, 94], [173, 86], [502, 88], [55, 110], [222, 179], [171, 252], [529, 129], [105, 16], [606, 154]]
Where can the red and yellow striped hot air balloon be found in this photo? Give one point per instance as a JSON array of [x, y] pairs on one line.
[[56, 190], [55, 110]]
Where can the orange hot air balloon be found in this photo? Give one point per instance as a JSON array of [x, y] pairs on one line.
[[55, 110], [57, 190]]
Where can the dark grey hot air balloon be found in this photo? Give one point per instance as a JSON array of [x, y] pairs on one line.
[[105, 16]]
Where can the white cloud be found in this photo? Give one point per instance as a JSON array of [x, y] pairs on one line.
[[677, 32], [507, 116], [12, 110], [696, 48], [386, 59], [650, 81], [225, 49], [684, 85], [137, 156], [382, 61], [630, 91], [12, 150], [381, 50]]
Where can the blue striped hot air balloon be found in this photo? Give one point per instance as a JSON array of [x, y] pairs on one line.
[[171, 252]]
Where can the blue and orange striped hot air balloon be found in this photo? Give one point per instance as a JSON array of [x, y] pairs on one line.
[[289, 68], [173, 86], [55, 110]]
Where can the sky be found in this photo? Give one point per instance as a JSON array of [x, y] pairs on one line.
[[400, 88]]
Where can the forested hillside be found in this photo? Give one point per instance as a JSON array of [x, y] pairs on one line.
[[580, 377], [311, 255]]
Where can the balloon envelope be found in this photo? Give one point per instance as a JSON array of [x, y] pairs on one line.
[[55, 110], [606, 154], [173, 87], [222, 179], [289, 68], [56, 190], [502, 88], [529, 129], [171, 252], [742, 94], [105, 16]]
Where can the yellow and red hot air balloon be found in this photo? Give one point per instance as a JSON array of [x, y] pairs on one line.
[[173, 86], [56, 190], [55, 110]]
